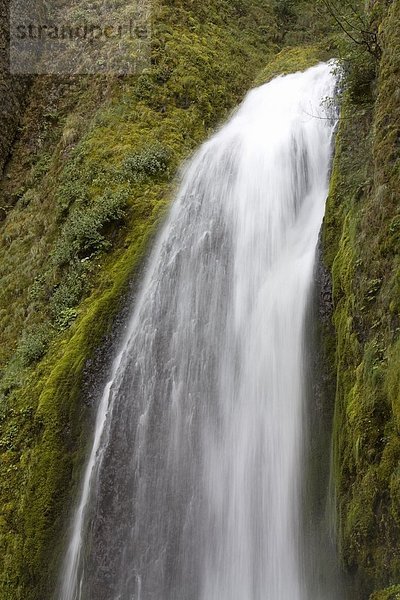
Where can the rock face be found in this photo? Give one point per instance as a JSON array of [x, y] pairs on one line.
[[12, 90], [360, 251], [324, 285]]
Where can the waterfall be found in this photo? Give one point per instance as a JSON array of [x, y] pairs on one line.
[[192, 490]]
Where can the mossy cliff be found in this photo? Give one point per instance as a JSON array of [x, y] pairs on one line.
[[87, 183], [85, 187], [361, 250]]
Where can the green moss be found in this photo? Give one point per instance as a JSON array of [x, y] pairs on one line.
[[393, 382], [295, 59], [69, 249], [359, 249], [392, 593]]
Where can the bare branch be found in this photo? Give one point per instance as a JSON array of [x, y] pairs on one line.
[[342, 17], [369, 39], [339, 22]]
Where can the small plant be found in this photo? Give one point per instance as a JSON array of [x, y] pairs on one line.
[[33, 346], [41, 167], [71, 191], [65, 318], [7, 440], [37, 290], [68, 294], [74, 180], [149, 162], [83, 233]]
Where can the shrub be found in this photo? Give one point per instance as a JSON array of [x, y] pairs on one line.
[[41, 167], [83, 233], [70, 291], [65, 317], [149, 162], [33, 345]]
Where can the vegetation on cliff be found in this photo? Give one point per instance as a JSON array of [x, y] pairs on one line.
[[86, 184], [84, 189], [361, 237]]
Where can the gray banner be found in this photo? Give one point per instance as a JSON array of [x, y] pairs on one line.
[[70, 38]]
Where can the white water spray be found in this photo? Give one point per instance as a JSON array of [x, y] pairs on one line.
[[192, 488]]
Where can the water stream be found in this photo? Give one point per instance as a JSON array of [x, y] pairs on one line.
[[192, 490]]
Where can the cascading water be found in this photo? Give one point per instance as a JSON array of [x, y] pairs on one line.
[[192, 490]]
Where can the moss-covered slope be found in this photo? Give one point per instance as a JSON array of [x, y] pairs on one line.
[[87, 183], [361, 249]]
